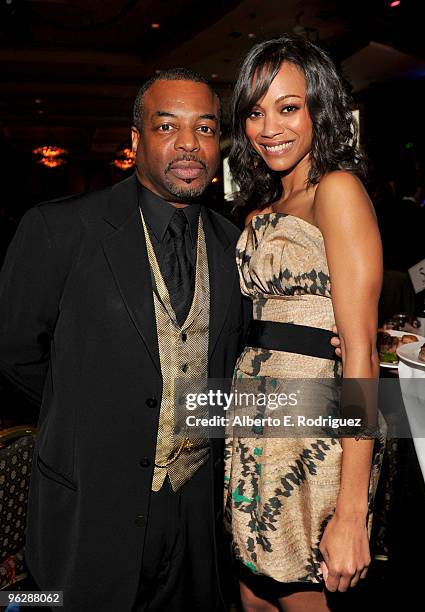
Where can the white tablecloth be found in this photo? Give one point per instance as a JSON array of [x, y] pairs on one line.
[[412, 383]]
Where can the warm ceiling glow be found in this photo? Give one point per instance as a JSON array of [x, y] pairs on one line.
[[214, 75], [155, 26], [50, 156], [49, 151], [123, 164], [51, 162], [395, 3], [125, 152], [125, 159]]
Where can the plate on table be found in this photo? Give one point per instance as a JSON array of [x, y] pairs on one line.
[[410, 352], [400, 334]]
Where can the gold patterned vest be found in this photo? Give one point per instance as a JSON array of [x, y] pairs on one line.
[[183, 353]]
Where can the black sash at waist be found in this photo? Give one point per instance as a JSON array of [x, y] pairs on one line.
[[291, 338]]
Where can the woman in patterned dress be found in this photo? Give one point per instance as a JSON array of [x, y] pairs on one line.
[[299, 509]]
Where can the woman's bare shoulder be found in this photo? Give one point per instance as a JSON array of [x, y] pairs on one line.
[[339, 181], [341, 200]]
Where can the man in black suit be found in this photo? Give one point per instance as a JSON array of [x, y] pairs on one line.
[[123, 513]]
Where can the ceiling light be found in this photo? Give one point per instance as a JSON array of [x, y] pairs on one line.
[[51, 163], [125, 152], [125, 158], [395, 3], [155, 26], [214, 75], [251, 35], [50, 156], [50, 151], [123, 164]]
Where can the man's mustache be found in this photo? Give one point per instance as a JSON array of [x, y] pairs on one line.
[[187, 158]]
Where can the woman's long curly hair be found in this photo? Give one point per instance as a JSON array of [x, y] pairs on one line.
[[328, 103]]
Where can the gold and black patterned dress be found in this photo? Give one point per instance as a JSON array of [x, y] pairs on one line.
[[280, 492]]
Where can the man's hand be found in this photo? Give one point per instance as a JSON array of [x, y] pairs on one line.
[[336, 342]]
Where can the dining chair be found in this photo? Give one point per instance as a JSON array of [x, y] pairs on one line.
[[16, 451]]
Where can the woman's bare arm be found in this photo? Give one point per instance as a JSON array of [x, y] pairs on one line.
[[346, 218]]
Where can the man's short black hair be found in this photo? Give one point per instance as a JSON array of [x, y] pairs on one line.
[[172, 74]]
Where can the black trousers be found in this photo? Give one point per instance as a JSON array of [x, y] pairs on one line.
[[178, 571]]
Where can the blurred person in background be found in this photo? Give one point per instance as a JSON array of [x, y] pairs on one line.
[[403, 225]]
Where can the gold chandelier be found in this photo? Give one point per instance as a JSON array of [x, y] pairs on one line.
[[51, 162], [50, 156], [125, 159]]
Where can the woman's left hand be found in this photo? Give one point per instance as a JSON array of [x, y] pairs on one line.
[[345, 550]]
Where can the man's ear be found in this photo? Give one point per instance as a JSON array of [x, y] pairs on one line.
[[135, 138]]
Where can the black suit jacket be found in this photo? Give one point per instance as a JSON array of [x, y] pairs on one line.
[[78, 334]]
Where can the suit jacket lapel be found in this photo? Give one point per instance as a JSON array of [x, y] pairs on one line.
[[125, 250], [222, 274]]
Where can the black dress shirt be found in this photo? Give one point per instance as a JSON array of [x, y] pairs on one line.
[[169, 248], [157, 214]]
